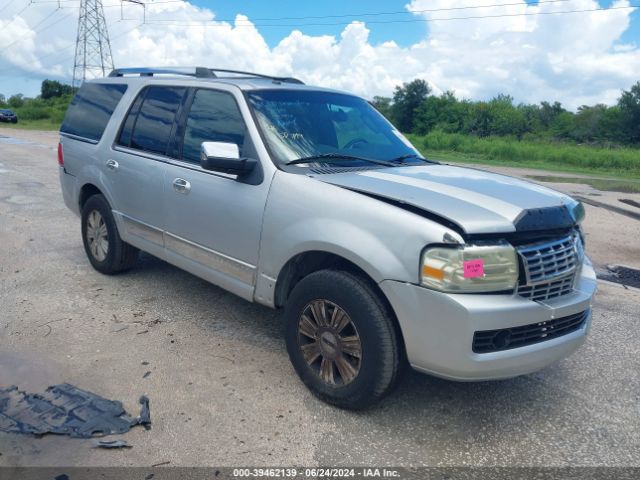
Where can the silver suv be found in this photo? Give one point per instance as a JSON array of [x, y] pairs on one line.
[[307, 199]]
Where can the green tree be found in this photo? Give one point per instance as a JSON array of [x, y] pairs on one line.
[[406, 100], [629, 105], [562, 126], [531, 114], [16, 101], [587, 123], [479, 120], [445, 113], [53, 88], [505, 118], [383, 105], [549, 112], [610, 127]]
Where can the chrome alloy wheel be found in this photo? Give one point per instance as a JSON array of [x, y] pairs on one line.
[[97, 236], [330, 342]]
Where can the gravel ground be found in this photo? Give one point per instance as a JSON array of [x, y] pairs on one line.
[[221, 387]]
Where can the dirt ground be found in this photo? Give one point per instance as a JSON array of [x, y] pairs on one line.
[[221, 388]]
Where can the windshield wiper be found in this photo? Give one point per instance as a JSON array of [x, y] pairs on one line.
[[412, 156], [336, 157]]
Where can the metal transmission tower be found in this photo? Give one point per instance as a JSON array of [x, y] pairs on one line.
[[93, 49]]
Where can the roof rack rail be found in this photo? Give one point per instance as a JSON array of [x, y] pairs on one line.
[[198, 72], [259, 75]]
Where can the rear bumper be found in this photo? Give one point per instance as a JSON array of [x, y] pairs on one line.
[[438, 328], [69, 187]]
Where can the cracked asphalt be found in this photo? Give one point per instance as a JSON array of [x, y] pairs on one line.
[[221, 388]]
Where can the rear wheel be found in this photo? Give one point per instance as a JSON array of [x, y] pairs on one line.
[[102, 243], [341, 339]]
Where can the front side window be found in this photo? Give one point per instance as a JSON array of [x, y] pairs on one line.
[[214, 117], [149, 124], [298, 124]]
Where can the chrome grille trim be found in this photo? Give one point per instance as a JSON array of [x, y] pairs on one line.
[[550, 268], [548, 290]]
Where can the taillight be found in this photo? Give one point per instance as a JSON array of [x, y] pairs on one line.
[[60, 155]]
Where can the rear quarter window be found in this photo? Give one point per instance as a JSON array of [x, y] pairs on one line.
[[91, 109]]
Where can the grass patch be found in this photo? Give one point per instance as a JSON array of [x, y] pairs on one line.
[[43, 124], [560, 157], [40, 114]]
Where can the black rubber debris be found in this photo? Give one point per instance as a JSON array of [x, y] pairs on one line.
[[620, 274], [630, 202], [111, 444], [66, 410]]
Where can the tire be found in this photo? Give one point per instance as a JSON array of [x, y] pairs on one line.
[[380, 362], [108, 255]]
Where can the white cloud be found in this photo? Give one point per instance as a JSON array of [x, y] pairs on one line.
[[573, 58]]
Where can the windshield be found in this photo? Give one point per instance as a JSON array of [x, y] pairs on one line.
[[299, 124]]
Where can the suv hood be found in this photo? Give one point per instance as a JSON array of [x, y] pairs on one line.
[[474, 200]]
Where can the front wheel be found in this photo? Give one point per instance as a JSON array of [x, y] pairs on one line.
[[102, 243], [341, 339]]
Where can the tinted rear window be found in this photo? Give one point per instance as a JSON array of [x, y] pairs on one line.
[[148, 126], [91, 109]]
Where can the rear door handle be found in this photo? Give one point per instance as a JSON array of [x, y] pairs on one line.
[[180, 185], [112, 165]]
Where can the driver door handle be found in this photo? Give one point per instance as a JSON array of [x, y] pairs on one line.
[[112, 165], [180, 185]]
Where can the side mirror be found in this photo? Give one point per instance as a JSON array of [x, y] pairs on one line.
[[225, 157]]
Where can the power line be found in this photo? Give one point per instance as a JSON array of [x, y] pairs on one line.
[[15, 17], [362, 14], [7, 5], [72, 44], [208, 24], [402, 12], [346, 15], [24, 37], [312, 17], [114, 5], [47, 17], [475, 17]]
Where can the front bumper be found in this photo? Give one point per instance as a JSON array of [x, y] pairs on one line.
[[438, 328]]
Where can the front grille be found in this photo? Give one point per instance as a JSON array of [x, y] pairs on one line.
[[547, 290], [550, 267], [487, 341]]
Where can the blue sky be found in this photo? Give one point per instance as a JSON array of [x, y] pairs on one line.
[[403, 33], [580, 58]]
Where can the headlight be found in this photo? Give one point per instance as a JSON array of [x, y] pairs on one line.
[[577, 212], [470, 268]]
